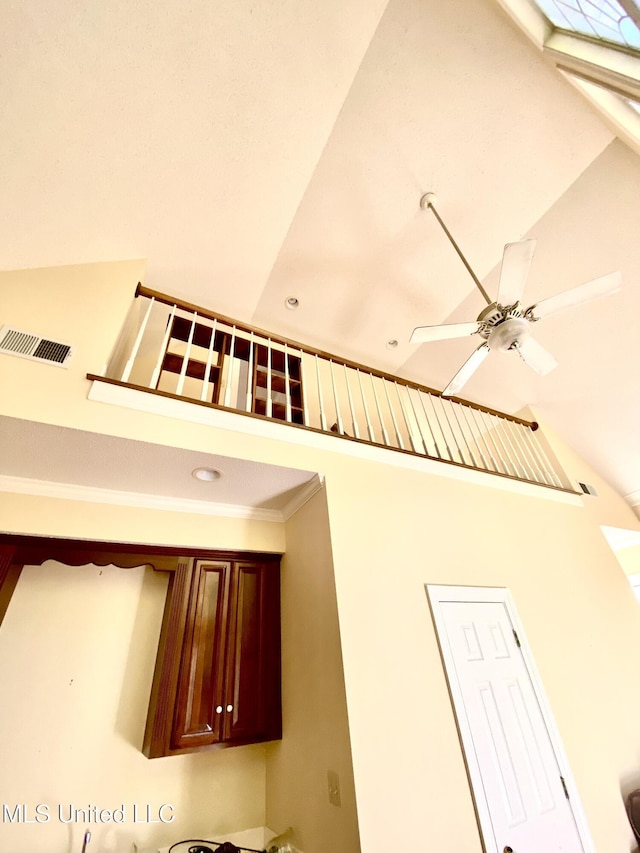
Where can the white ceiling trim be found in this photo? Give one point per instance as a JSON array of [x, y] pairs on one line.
[[304, 494], [92, 494], [633, 498], [620, 537]]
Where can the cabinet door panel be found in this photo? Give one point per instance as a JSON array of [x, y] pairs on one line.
[[253, 684], [201, 684]]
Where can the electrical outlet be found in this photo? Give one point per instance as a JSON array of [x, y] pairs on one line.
[[333, 781]]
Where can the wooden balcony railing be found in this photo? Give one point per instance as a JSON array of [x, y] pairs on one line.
[[176, 349]]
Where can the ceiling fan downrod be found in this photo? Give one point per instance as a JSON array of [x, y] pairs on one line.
[[427, 202]]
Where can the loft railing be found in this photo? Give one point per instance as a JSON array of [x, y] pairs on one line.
[[179, 350]]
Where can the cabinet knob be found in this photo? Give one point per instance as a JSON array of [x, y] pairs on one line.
[[218, 709], [229, 707]]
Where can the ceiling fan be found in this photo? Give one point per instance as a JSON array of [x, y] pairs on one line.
[[504, 323]]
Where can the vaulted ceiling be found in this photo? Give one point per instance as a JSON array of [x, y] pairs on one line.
[[253, 151]]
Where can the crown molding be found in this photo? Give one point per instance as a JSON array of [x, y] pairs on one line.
[[92, 494], [633, 498], [303, 494]]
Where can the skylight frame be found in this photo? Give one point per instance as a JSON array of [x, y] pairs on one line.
[[560, 16], [606, 73]]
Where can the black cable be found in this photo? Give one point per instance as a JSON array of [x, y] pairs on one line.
[[207, 849]]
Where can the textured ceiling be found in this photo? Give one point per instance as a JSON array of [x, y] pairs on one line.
[[256, 151], [54, 454]]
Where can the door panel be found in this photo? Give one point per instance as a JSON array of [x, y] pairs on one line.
[[506, 734], [199, 705], [246, 692]]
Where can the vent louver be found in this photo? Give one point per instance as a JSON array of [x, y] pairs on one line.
[[588, 489], [34, 347]]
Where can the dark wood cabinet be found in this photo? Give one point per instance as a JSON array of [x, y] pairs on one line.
[[217, 679], [217, 676]]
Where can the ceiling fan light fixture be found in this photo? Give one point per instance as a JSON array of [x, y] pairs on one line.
[[509, 334]]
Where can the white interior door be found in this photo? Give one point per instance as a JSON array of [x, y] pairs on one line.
[[520, 787]]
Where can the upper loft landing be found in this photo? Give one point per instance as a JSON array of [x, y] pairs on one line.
[[170, 352]]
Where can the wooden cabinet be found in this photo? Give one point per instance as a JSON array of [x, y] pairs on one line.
[[217, 675], [217, 679]]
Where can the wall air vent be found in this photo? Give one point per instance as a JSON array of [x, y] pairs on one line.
[[34, 347], [588, 489]]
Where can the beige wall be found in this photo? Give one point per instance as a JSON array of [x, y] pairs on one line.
[[629, 559], [314, 705], [77, 652], [392, 530], [43, 516]]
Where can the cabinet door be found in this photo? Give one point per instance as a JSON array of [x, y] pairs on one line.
[[200, 696], [252, 706]]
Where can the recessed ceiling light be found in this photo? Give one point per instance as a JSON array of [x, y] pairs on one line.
[[207, 475], [392, 344], [291, 302]]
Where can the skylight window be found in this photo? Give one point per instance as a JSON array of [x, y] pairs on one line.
[[595, 44], [602, 19]]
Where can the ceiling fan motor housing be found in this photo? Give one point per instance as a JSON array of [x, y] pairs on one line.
[[503, 328]]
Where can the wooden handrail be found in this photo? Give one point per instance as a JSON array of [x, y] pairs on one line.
[[230, 321], [93, 377]]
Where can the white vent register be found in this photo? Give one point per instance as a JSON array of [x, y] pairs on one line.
[[34, 347]]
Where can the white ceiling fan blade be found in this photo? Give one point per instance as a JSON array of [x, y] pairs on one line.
[[424, 334], [516, 261], [537, 357], [602, 286], [467, 370]]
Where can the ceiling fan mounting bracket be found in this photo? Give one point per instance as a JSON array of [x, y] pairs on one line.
[[427, 200]]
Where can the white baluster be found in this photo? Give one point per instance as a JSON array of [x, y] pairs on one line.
[[336, 401], [323, 418], [354, 423], [414, 444], [463, 409], [417, 422], [185, 358], [380, 418], [366, 410], [269, 396], [155, 376], [232, 349], [443, 435], [287, 385], [497, 431], [454, 408], [126, 373], [249, 403], [303, 386], [514, 454], [490, 435], [207, 371], [393, 417], [421, 396], [446, 404]]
